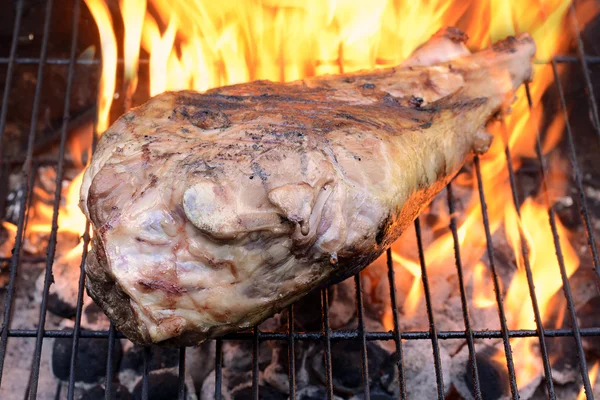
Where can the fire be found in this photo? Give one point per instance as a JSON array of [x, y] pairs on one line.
[[535, 227], [199, 45], [108, 44], [593, 373], [483, 290], [133, 13], [413, 298]]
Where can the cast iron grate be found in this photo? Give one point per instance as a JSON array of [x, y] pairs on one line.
[[326, 335]]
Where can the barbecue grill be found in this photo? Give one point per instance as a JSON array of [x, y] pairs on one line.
[[325, 336]]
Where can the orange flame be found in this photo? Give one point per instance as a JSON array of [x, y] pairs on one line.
[[133, 17], [200, 45], [483, 289], [414, 296], [592, 374], [108, 44], [546, 275]]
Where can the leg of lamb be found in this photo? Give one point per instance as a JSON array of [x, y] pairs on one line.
[[213, 211]]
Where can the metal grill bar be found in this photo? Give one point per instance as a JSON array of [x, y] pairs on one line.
[[529, 274], [586, 72], [397, 334], [336, 335], [255, 370], [361, 332], [497, 289], [182, 389], [77, 326], [463, 295], [561, 59], [291, 353], [145, 376], [439, 377], [327, 343], [218, 368], [585, 213], [561, 262], [27, 178], [57, 198], [109, 363], [11, 61]]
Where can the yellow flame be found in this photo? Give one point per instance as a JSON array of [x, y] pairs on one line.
[[413, 298], [108, 45], [483, 288], [201, 44], [133, 12], [592, 373]]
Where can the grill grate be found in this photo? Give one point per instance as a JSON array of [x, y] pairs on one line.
[[326, 335]]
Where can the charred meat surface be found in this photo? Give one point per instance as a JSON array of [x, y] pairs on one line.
[[213, 211]]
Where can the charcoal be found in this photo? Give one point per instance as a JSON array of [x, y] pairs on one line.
[[346, 362], [237, 355], [118, 392], [305, 317], [376, 393], [265, 393], [313, 393], [91, 358], [199, 361], [419, 370], [162, 385], [160, 358], [568, 212], [275, 373], [492, 376], [389, 375], [208, 387], [589, 317]]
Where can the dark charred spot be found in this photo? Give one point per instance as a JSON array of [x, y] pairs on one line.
[[426, 125], [349, 80], [456, 35], [185, 130], [415, 101], [388, 98], [383, 229], [146, 152], [251, 176], [368, 86], [203, 119], [508, 45], [260, 172]]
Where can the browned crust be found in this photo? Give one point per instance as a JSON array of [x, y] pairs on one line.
[[107, 293]]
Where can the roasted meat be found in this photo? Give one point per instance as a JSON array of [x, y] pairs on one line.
[[213, 211]]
